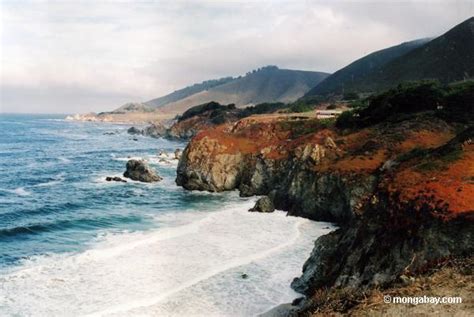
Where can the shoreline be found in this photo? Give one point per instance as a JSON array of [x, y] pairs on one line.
[[63, 270]]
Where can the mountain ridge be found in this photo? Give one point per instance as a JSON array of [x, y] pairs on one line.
[[446, 58], [343, 78]]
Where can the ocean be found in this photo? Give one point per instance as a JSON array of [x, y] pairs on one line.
[[73, 244]]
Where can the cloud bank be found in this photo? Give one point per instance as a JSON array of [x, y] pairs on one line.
[[81, 56]]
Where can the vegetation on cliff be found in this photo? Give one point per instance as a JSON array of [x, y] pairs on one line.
[[453, 102]]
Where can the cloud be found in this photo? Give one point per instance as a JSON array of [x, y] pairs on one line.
[[83, 56]]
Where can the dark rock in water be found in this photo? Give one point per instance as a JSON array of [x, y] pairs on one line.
[[109, 133], [244, 276], [138, 170], [118, 179], [156, 130], [177, 154], [297, 301], [134, 130], [264, 204], [115, 179]]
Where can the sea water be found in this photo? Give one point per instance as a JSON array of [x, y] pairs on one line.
[[73, 244]]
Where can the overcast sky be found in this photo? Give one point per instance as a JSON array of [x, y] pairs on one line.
[[81, 56]]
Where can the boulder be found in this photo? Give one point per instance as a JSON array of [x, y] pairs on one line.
[[139, 170], [134, 131], [177, 154], [264, 204]]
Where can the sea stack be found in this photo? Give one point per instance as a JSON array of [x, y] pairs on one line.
[[139, 170]]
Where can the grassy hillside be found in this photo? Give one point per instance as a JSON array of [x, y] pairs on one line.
[[267, 84], [188, 91]]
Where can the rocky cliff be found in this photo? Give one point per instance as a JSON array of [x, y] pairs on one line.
[[305, 167], [402, 191], [202, 117]]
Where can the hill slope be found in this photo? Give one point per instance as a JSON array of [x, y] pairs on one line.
[[447, 58], [268, 84], [348, 77], [187, 91]]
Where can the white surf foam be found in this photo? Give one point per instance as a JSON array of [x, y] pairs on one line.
[[20, 191], [191, 269], [64, 160], [59, 178], [162, 160], [126, 159]]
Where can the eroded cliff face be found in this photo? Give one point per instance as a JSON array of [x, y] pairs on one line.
[[403, 193], [268, 161], [377, 250], [196, 172], [305, 168]]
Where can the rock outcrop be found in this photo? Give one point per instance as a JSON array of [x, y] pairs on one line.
[[139, 170], [203, 117], [370, 253], [263, 204], [155, 130], [275, 165]]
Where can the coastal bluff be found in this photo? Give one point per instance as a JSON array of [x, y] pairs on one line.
[[397, 215]]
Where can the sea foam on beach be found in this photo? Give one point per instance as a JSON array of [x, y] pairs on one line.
[[228, 262]]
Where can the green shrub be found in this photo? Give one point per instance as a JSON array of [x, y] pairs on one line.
[[266, 107], [347, 120], [197, 110], [416, 152], [406, 98], [300, 106], [358, 104], [459, 103], [327, 122]]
